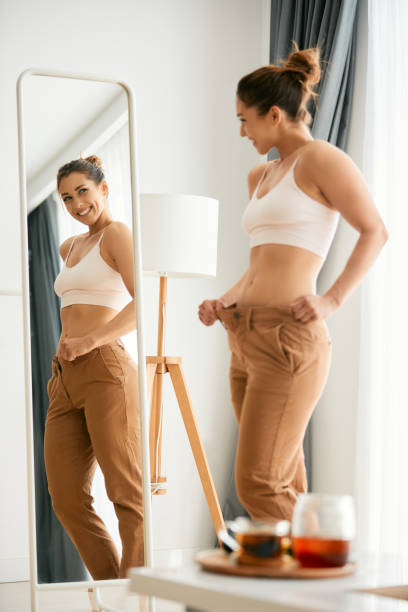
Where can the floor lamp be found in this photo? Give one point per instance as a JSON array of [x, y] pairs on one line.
[[179, 239]]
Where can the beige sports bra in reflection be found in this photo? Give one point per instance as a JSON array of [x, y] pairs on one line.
[[91, 281], [287, 215]]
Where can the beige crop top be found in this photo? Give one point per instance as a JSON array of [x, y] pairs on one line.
[[91, 281], [287, 215]]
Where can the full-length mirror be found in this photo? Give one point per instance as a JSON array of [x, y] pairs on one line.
[[86, 413]]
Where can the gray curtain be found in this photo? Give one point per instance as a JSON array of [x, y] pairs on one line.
[[331, 25], [57, 558]]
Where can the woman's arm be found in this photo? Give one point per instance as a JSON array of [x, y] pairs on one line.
[[230, 296], [207, 311], [118, 244], [122, 324], [365, 252], [343, 185]]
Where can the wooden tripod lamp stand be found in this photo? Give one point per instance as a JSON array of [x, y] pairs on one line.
[[179, 239]]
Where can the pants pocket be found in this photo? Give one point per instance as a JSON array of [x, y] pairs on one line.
[[110, 363], [51, 382], [291, 354], [49, 386], [317, 331]]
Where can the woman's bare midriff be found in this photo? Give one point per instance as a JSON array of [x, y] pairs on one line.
[[80, 320], [279, 274]]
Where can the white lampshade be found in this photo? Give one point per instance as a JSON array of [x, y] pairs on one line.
[[179, 234]]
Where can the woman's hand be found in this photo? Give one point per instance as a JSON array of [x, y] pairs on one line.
[[69, 348], [313, 307], [207, 311]]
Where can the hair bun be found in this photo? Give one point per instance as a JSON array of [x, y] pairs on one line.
[[305, 63], [94, 160]]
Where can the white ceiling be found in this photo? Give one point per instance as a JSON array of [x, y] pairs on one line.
[[56, 111]]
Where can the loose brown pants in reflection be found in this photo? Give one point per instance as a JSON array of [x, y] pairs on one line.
[[279, 367], [93, 417]]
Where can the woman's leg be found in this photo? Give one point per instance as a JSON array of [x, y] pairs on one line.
[[112, 417], [287, 371], [238, 383], [299, 482], [70, 466]]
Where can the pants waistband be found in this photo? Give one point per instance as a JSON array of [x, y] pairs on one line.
[[257, 314], [61, 362]]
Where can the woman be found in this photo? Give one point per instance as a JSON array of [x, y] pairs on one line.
[[93, 414], [280, 343]]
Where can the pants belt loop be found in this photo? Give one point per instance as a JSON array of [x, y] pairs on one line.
[[249, 318]]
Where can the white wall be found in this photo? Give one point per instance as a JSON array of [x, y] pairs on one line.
[[334, 421], [183, 60]]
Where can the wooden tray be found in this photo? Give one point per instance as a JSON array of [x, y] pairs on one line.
[[218, 561]]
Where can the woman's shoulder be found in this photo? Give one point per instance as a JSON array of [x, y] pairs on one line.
[[321, 156], [318, 150], [256, 172], [65, 246], [117, 239], [116, 230], [116, 227], [254, 176]]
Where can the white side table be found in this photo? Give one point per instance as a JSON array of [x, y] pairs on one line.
[[218, 593]]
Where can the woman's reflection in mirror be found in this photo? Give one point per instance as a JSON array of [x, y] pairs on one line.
[[93, 413]]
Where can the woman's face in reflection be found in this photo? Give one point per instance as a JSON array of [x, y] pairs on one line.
[[83, 198]]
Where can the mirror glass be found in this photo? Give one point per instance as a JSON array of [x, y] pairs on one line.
[[65, 119]]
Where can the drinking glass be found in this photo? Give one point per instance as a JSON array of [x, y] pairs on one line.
[[323, 527]]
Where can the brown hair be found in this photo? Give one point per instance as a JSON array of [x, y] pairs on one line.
[[91, 166], [287, 86]]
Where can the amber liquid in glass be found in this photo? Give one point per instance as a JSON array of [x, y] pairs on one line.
[[318, 552]]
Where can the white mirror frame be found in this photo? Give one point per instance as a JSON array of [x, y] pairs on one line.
[[144, 412]]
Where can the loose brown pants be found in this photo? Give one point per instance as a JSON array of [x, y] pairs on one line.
[[279, 367], [93, 417]]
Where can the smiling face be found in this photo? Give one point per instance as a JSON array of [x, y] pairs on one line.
[[83, 198], [261, 130]]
